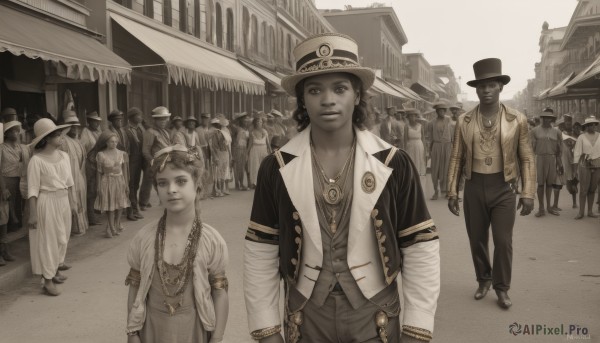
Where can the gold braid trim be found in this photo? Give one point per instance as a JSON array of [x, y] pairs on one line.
[[263, 228], [266, 332], [418, 333], [219, 282], [410, 230], [133, 278]]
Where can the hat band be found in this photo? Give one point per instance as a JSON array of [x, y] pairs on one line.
[[343, 54], [488, 76], [327, 63]]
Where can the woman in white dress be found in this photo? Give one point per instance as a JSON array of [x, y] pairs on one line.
[[413, 140]]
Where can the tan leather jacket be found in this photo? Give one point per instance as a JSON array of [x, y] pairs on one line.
[[516, 151]]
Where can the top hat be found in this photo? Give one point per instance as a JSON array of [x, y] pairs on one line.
[[115, 114], [488, 69], [9, 125], [441, 104], [590, 121], [160, 112], [93, 116], [134, 111], [326, 53], [43, 128]]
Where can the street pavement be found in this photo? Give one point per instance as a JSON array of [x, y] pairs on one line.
[[556, 281]]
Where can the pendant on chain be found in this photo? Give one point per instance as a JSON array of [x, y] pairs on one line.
[[488, 161], [332, 193]]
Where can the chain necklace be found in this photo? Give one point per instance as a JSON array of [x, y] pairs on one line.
[[183, 269], [333, 214], [332, 192], [487, 135]]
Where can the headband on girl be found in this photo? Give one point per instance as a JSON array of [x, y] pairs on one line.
[[192, 154]]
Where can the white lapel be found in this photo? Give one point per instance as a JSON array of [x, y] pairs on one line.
[[298, 179], [363, 202]]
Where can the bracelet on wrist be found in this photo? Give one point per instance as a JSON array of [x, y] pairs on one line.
[[266, 332]]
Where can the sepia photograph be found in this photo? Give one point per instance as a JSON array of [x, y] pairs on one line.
[[299, 171]]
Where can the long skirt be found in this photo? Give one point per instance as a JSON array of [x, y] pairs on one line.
[[49, 241], [79, 193], [257, 153], [440, 162], [416, 151]]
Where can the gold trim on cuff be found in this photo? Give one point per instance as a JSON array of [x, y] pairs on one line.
[[266, 332], [418, 333], [410, 230], [263, 228]]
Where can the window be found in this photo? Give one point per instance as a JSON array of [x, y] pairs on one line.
[[254, 43], [209, 21], [230, 30], [245, 30], [265, 38], [167, 13], [183, 16], [197, 20], [272, 43], [219, 24], [289, 50], [149, 8]]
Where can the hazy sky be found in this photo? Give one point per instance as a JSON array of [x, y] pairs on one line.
[[460, 32]]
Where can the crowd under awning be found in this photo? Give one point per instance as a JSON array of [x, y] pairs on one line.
[[406, 91], [561, 87], [544, 94], [383, 87], [74, 55], [273, 79], [194, 65], [418, 86]]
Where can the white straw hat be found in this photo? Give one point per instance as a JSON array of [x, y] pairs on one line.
[[43, 128], [9, 125]]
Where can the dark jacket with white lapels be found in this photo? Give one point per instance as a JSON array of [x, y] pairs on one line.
[[391, 231]]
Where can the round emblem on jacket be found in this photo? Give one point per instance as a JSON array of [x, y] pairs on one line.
[[368, 182]]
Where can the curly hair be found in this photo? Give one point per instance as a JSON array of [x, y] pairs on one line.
[[359, 116]]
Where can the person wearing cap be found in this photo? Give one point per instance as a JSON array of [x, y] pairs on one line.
[[89, 135], [203, 130], [12, 156], [48, 181], [414, 140], [491, 143], [9, 114], [390, 130], [239, 148], [117, 126], [454, 109], [587, 156], [155, 138], [177, 136], [77, 156], [339, 270], [440, 131], [546, 142], [221, 156], [135, 135], [570, 168]]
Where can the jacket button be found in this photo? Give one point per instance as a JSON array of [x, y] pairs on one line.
[[297, 240], [374, 213], [378, 223], [298, 229], [295, 215], [294, 261]]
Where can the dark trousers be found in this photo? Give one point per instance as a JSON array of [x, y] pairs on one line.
[[135, 175], [146, 187], [337, 321], [488, 199], [15, 202]]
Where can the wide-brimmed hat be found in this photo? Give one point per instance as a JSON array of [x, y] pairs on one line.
[[412, 110], [590, 121], [568, 115], [94, 116], [441, 104], [72, 121], [548, 112], [567, 137], [115, 114], [237, 116], [454, 106], [215, 121], [191, 118], [276, 113], [488, 69], [560, 121], [204, 115], [177, 118], [326, 53], [9, 111], [160, 112], [43, 128], [9, 125]]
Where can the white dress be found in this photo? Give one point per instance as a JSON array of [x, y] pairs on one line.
[[415, 148]]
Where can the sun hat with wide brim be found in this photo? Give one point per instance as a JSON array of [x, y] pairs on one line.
[[44, 127], [590, 121], [488, 69], [93, 116], [237, 116], [72, 121], [323, 54], [9, 125], [160, 112], [441, 104]]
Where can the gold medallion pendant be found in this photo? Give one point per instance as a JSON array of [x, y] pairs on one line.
[[332, 193], [368, 182]]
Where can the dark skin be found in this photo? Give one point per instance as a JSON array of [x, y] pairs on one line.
[[488, 92], [93, 124]]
